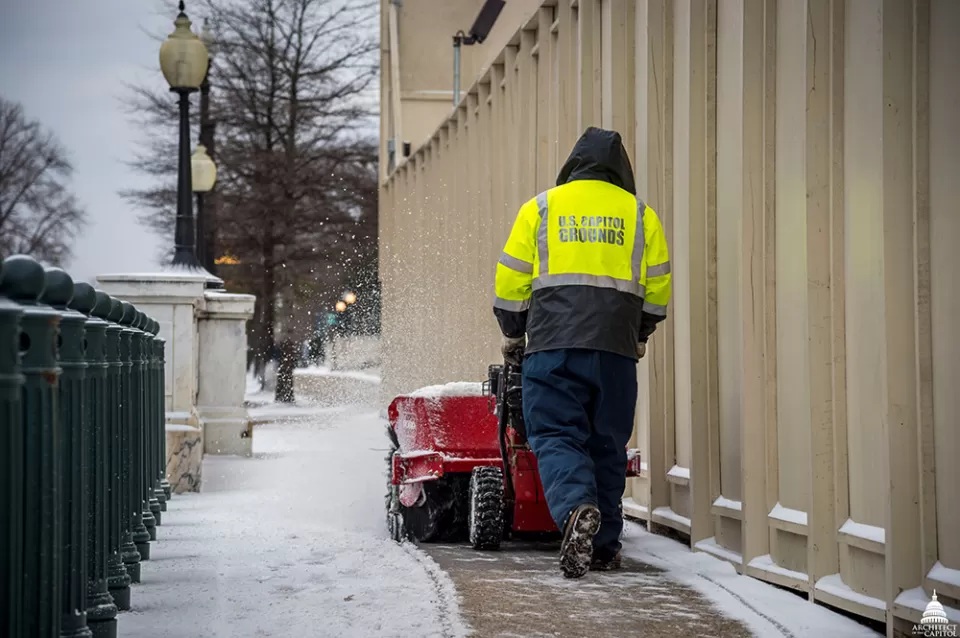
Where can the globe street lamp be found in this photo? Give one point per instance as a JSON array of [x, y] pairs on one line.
[[207, 205], [204, 175], [341, 306], [183, 61], [350, 297]]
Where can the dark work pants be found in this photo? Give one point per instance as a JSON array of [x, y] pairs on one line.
[[578, 406]]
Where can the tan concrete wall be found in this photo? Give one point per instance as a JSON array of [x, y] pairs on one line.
[[798, 413], [424, 62]]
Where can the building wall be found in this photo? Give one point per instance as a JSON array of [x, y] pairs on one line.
[[423, 59], [800, 417]]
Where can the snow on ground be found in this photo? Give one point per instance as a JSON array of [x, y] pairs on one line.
[[291, 543], [767, 610]]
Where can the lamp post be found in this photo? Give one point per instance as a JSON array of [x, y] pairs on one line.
[[204, 175], [207, 204], [183, 61]]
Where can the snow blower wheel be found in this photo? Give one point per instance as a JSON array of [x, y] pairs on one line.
[[486, 507]]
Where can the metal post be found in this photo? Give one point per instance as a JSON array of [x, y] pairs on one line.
[[156, 419], [457, 40], [101, 610], [23, 282], [58, 293], [162, 408], [207, 204], [118, 579], [185, 236], [11, 460], [151, 506], [130, 514], [134, 425]]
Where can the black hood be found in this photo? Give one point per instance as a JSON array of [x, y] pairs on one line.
[[599, 154]]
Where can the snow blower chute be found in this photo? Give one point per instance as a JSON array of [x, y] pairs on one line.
[[460, 466]]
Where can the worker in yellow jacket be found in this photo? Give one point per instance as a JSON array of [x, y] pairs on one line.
[[583, 280]]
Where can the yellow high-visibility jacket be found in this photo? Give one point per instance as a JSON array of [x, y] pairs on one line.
[[586, 263]]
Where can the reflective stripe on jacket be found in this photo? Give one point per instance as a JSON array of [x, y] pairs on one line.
[[586, 264]]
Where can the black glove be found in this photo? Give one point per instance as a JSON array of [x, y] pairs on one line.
[[512, 349]]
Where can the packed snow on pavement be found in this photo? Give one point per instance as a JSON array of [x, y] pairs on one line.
[[291, 543]]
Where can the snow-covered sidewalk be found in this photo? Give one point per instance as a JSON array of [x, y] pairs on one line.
[[291, 543]]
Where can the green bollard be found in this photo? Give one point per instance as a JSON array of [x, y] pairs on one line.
[[57, 294], [139, 537], [131, 554], [157, 417], [11, 460], [118, 578], [162, 410], [23, 282], [140, 405], [149, 424], [101, 610]]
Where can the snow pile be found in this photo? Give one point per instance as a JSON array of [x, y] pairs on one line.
[[292, 542], [767, 610], [454, 389]]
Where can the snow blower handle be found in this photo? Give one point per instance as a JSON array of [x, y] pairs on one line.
[[504, 383]]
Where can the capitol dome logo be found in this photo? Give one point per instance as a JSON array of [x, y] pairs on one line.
[[934, 623]]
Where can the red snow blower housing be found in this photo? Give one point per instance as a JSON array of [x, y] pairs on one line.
[[460, 466]]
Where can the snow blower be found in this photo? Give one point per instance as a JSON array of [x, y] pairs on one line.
[[460, 466]]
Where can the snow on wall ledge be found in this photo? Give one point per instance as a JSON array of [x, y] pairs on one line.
[[454, 389]]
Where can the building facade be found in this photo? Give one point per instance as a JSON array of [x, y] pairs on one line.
[[801, 418]]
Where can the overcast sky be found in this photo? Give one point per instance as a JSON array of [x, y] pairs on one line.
[[65, 61]]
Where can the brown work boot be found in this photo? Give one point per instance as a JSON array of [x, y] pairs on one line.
[[602, 564], [577, 547]]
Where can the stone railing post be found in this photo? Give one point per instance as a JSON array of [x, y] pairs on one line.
[[11, 458], [101, 610], [58, 293], [118, 579], [39, 614]]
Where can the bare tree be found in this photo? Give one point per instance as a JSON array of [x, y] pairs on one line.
[[291, 96], [38, 213]]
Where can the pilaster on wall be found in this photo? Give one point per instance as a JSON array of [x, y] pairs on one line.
[[655, 187], [905, 35], [694, 257], [800, 418]]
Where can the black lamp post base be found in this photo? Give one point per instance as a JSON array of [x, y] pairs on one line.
[[167, 488], [144, 550]]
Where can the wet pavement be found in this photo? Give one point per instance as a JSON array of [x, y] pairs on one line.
[[519, 592]]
